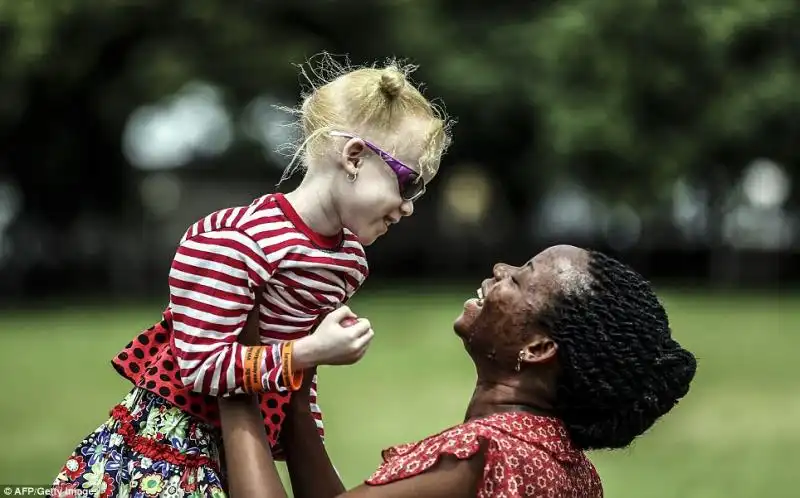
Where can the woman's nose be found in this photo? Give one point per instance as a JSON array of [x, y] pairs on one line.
[[500, 270]]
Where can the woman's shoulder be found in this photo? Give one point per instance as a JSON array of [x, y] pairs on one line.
[[518, 449], [406, 460], [461, 440], [505, 429]]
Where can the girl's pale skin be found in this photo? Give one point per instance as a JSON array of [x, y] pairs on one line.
[[326, 201]]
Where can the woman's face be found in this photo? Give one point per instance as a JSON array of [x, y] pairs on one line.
[[496, 321]]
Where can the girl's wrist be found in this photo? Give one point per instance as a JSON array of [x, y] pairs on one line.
[[304, 354]]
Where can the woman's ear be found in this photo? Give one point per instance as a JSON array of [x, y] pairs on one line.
[[541, 350]]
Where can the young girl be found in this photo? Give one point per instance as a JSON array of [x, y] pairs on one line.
[[371, 142]]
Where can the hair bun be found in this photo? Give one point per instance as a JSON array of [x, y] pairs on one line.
[[392, 82]]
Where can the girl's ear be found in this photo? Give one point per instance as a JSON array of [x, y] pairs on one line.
[[351, 155]]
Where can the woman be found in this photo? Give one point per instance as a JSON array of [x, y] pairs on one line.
[[573, 352]]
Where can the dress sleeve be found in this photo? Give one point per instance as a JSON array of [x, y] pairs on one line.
[[212, 281], [408, 460]]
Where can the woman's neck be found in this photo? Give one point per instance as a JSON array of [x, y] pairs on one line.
[[498, 396], [313, 202]]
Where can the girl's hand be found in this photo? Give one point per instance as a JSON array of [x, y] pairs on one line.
[[340, 339]]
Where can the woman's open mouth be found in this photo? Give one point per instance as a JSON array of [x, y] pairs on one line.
[[480, 293]]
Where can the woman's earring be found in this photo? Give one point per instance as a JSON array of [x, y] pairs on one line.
[[352, 177], [519, 361]]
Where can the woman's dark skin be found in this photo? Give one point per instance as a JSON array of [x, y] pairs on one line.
[[516, 365], [247, 451]]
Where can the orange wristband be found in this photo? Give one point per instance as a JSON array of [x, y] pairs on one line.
[[252, 369], [291, 379]]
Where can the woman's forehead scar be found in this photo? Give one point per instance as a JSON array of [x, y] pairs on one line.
[[572, 276]]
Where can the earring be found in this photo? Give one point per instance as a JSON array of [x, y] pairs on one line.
[[352, 177], [519, 362]]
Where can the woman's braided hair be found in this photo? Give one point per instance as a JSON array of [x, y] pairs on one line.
[[621, 369]]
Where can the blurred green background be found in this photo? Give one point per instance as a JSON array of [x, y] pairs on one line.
[[664, 132], [734, 436]]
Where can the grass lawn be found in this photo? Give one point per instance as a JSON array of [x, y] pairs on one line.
[[735, 436]]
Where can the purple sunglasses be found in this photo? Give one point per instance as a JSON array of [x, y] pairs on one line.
[[408, 181]]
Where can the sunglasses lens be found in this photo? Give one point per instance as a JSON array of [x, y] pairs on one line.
[[412, 189]]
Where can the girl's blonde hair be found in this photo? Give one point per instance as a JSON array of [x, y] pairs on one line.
[[369, 101]]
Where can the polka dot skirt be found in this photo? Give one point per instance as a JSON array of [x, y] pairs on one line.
[[149, 363]]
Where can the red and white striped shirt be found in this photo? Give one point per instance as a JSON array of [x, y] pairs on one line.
[[221, 262]]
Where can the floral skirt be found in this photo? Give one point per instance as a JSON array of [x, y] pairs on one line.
[[147, 448]]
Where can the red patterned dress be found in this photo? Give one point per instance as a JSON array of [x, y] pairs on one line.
[[527, 455]]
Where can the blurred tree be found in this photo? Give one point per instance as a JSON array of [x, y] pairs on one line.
[[626, 96], [74, 72]]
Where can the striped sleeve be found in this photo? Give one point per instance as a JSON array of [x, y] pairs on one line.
[[211, 283]]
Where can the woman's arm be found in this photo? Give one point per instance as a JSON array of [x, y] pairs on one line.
[[251, 470], [248, 460], [313, 474], [310, 468]]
